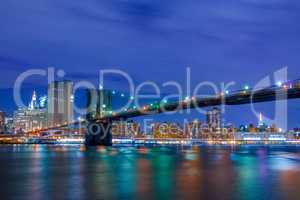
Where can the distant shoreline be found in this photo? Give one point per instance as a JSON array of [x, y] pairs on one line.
[[150, 142]]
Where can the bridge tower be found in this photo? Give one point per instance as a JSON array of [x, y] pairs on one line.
[[98, 131]]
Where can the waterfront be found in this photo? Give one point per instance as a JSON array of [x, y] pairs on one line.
[[161, 172]]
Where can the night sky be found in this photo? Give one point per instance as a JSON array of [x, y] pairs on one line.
[[221, 41]]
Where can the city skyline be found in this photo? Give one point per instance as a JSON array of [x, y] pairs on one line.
[[243, 45], [57, 108], [35, 116], [178, 117], [150, 99], [40, 102]]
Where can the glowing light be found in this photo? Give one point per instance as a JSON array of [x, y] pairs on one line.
[[187, 98], [131, 97], [232, 142], [279, 83], [227, 92], [103, 106], [66, 140], [252, 138], [165, 101], [277, 138], [113, 92], [260, 117], [246, 87], [43, 101], [122, 95]]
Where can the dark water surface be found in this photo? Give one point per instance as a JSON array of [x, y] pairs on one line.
[[205, 172]]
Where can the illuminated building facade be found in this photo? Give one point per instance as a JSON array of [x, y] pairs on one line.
[[9, 124], [261, 127], [213, 119], [2, 122], [167, 130], [43, 102], [60, 103], [30, 118], [193, 129]]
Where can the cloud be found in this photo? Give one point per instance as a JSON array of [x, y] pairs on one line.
[[150, 39]]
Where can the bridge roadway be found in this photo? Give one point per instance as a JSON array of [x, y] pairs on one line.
[[274, 93], [290, 90]]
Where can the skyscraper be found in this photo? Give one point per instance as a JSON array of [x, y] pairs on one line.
[[60, 103], [21, 120], [2, 122], [213, 119], [261, 125], [30, 118], [33, 103], [43, 102], [9, 124]]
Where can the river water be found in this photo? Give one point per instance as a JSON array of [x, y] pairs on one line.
[[162, 172]]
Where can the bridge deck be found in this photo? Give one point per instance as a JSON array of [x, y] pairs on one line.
[[273, 93]]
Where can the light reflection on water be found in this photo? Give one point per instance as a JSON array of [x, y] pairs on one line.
[[205, 172]]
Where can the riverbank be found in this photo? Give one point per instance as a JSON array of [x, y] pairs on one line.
[[149, 141]]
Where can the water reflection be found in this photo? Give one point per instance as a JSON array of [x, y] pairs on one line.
[[205, 172]]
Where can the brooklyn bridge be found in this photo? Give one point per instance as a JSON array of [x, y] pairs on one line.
[[98, 131]]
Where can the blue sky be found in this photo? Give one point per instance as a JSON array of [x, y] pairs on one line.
[[221, 41]]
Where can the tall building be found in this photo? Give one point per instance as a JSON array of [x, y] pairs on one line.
[[193, 129], [261, 125], [60, 103], [33, 103], [30, 118], [21, 120], [9, 124], [43, 102], [99, 103], [213, 119], [167, 130], [2, 122], [260, 122]]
